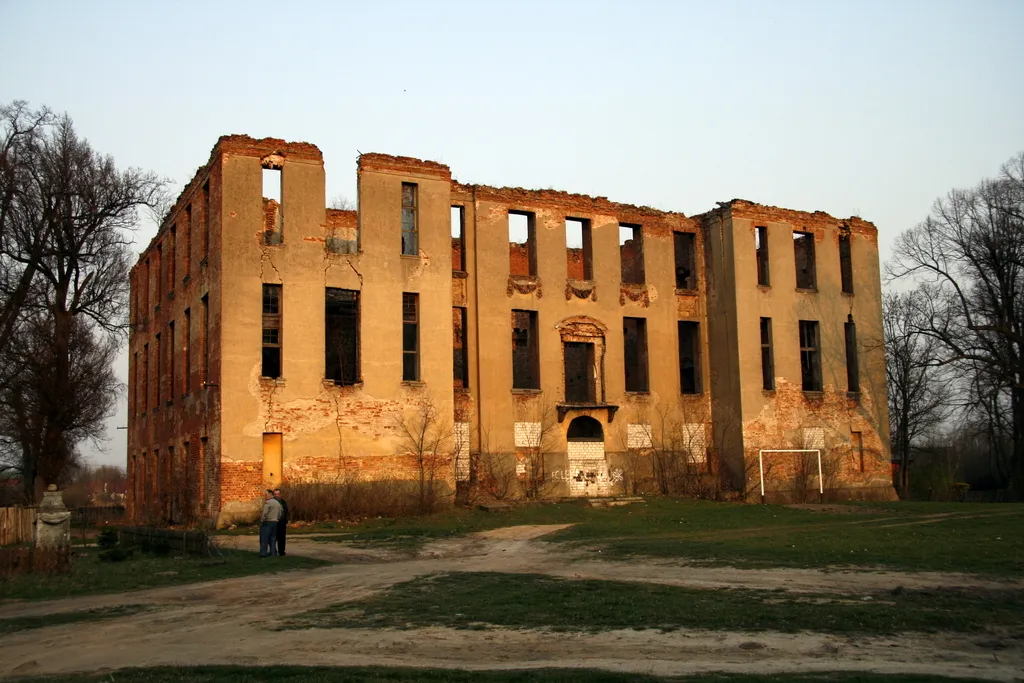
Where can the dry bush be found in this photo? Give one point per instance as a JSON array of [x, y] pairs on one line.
[[498, 477], [343, 498]]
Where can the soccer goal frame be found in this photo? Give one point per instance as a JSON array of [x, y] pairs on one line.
[[760, 465]]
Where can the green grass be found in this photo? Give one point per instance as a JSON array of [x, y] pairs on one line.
[[974, 538], [303, 674], [25, 623], [88, 575], [484, 599]]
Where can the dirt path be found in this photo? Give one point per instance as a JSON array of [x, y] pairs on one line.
[[229, 621]]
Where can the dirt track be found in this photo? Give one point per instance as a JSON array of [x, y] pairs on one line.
[[226, 622]]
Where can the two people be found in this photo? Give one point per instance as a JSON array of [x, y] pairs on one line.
[[273, 524]]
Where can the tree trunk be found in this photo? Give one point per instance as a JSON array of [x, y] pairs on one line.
[[1017, 463]]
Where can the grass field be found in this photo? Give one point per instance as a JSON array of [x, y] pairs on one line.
[[482, 599], [299, 674], [975, 538], [89, 575]]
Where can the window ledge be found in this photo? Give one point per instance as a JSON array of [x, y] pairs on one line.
[[413, 383], [687, 292], [204, 262], [853, 396], [461, 390], [768, 392], [848, 294], [521, 391], [185, 396], [334, 383], [169, 402], [156, 309], [807, 290], [684, 394], [646, 392], [459, 274], [187, 279], [764, 288], [279, 381], [411, 256], [170, 295], [564, 408], [814, 393]]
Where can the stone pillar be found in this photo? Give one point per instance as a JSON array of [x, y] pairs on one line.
[[53, 524]]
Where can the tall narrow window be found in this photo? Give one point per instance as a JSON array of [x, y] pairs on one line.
[[186, 247], [144, 286], [460, 348], [206, 219], [803, 250], [410, 236], [171, 377], [810, 356], [205, 366], [767, 356], [845, 263], [852, 365], [410, 337], [171, 240], [634, 335], [159, 279], [458, 217], [341, 348], [186, 351], [273, 206], [159, 368], [857, 438], [135, 385], [579, 256], [145, 377], [686, 259], [522, 244], [631, 253], [689, 357], [761, 250], [525, 351], [580, 386], [271, 331]]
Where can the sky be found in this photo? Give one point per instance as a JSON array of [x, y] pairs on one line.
[[854, 108]]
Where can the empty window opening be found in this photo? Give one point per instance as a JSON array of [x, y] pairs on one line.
[[186, 246], [341, 347], [522, 244], [159, 368], [459, 238], [271, 331], [810, 356], [767, 356], [171, 377], [144, 286], [803, 249], [857, 438], [634, 334], [159, 279], [171, 239], [460, 348], [525, 351], [631, 253], [761, 251], [852, 364], [186, 351], [410, 337], [145, 377], [846, 263], [410, 236], [579, 372], [584, 428], [578, 250], [134, 384], [205, 341], [206, 218], [686, 259], [689, 357], [273, 208]]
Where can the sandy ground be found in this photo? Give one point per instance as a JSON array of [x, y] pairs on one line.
[[228, 622]]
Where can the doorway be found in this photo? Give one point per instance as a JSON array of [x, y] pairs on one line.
[[272, 460], [588, 468], [579, 372]]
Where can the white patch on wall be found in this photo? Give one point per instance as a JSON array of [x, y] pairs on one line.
[[520, 466], [461, 436], [638, 436], [814, 437], [695, 440], [527, 434], [588, 469]]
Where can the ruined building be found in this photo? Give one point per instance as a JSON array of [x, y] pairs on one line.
[[559, 344]]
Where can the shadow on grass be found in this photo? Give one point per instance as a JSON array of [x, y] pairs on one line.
[[27, 623]]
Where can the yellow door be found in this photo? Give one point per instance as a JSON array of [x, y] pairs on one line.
[[272, 460]]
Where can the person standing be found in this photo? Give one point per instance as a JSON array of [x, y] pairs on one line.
[[282, 522], [268, 524]]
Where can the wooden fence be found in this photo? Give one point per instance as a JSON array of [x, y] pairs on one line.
[[16, 525]]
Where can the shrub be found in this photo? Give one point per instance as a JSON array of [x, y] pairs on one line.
[[344, 499], [116, 554], [107, 538]]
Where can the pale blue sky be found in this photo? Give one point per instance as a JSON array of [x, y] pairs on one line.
[[873, 108]]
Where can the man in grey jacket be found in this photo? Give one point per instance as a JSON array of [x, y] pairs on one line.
[[268, 524]]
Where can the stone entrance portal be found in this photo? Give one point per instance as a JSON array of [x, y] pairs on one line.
[[588, 469]]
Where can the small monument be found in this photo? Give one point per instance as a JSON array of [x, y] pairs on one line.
[[53, 525]]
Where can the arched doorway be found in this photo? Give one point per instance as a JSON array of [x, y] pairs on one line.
[[588, 469]]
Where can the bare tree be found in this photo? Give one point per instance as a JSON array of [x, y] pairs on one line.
[[341, 203], [919, 397], [67, 225], [426, 436], [539, 442]]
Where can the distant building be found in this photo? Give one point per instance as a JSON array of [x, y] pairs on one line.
[[596, 344]]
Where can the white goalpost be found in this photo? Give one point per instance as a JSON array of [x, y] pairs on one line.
[[760, 465]]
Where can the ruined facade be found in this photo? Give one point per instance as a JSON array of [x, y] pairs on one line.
[[559, 344]]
